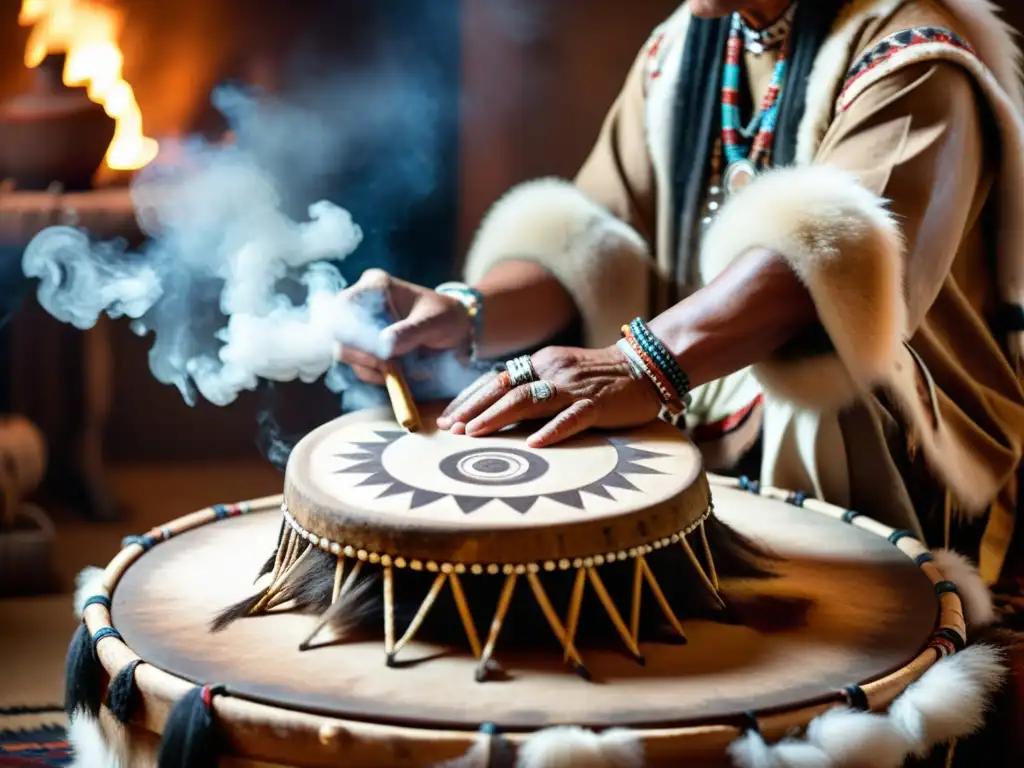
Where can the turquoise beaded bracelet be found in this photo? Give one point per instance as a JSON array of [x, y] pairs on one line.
[[658, 353]]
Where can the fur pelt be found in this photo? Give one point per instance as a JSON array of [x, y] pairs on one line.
[[602, 262], [845, 246]]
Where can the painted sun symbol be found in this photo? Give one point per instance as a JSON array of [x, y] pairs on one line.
[[490, 466]]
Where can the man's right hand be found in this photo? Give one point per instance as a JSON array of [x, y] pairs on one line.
[[424, 319]]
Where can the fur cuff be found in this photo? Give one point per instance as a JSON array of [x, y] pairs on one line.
[[603, 263], [846, 248]]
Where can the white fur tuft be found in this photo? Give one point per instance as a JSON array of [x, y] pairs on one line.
[[950, 699], [572, 747], [87, 583], [974, 593], [751, 751], [88, 746], [601, 261], [843, 243], [851, 738]]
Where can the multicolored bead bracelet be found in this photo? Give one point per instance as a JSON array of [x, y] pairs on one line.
[[646, 353]]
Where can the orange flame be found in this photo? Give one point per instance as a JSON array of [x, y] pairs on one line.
[[87, 32]]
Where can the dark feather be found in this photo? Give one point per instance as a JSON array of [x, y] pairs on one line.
[[268, 566], [188, 739], [233, 613], [123, 694], [311, 584], [83, 676], [350, 611], [309, 589]]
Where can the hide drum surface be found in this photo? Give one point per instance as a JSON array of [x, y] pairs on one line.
[[432, 495], [870, 610]]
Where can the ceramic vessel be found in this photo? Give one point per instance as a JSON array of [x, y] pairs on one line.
[[53, 133]]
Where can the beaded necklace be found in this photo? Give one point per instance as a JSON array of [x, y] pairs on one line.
[[743, 160]]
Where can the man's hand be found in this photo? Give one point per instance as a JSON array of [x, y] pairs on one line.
[[424, 319], [589, 388]]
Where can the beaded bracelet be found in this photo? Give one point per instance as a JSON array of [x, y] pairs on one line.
[[652, 372], [659, 353], [473, 301], [638, 369], [663, 366]]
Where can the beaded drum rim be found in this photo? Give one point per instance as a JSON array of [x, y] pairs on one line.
[[649, 518], [492, 567], [254, 730]]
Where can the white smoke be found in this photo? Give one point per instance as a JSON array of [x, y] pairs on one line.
[[232, 289]]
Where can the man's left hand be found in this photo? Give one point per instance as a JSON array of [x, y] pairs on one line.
[[574, 389]]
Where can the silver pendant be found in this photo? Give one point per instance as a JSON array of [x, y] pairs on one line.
[[739, 175]]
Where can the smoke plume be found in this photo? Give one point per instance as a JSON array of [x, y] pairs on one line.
[[233, 290]]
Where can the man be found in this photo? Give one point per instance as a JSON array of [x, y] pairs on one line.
[[819, 205]]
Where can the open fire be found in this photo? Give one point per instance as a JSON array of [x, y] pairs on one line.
[[87, 32]]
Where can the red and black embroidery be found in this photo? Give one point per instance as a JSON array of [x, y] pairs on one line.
[[901, 41]]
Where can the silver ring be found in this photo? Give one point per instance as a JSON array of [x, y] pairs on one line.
[[520, 371], [541, 391]]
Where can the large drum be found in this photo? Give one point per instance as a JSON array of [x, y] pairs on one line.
[[428, 596]]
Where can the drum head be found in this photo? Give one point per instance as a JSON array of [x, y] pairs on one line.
[[864, 610], [363, 482]]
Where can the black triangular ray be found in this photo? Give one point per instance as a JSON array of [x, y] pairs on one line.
[[523, 504], [377, 478], [372, 465], [421, 498], [636, 469], [470, 503], [375, 449], [569, 498], [615, 480], [598, 490], [395, 490], [632, 454], [359, 455], [389, 435]]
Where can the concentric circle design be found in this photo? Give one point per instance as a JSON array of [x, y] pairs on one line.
[[498, 465]]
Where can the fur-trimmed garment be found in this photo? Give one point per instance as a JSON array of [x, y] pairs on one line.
[[904, 217]]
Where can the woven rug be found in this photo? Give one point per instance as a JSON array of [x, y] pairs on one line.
[[33, 737]]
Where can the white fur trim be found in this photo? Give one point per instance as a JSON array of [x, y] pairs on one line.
[[569, 747], [603, 263], [845, 247], [947, 702], [89, 745], [88, 582], [849, 737], [829, 68], [974, 593], [950, 699]]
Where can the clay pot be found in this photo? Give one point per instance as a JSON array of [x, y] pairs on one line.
[[52, 133]]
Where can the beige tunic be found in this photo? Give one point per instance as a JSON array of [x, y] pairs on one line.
[[923, 138]]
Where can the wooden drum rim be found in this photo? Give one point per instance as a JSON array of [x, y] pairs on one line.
[[329, 522], [318, 738]]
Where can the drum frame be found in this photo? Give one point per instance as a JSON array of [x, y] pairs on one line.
[[260, 734]]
